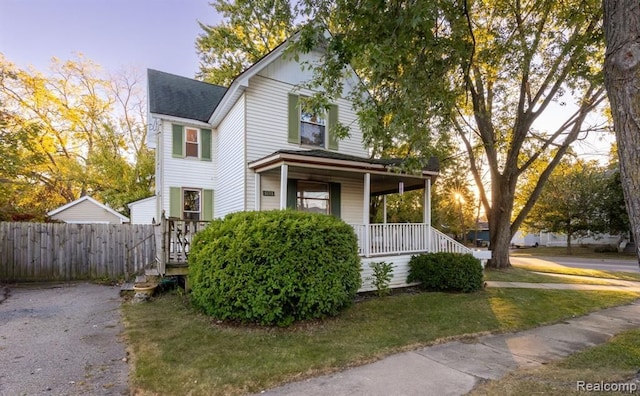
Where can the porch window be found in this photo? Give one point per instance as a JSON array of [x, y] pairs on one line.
[[313, 197], [191, 204], [191, 142], [312, 129]]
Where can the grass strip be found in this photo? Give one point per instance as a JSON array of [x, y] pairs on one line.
[[615, 362], [520, 274], [177, 350], [558, 269]]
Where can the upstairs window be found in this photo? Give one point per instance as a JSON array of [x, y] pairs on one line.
[[312, 129], [307, 128], [191, 143]]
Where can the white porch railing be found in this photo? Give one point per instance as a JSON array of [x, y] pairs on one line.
[[403, 238]]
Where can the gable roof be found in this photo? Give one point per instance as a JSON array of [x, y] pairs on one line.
[[87, 198], [182, 97]]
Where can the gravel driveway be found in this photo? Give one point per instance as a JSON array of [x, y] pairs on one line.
[[62, 340]]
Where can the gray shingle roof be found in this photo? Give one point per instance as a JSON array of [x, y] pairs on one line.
[[181, 96]]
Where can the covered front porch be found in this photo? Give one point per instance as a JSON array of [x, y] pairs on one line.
[[342, 185]]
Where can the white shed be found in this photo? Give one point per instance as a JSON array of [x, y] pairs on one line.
[[143, 211], [85, 210]]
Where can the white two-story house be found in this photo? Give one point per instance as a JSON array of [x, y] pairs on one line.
[[251, 146]]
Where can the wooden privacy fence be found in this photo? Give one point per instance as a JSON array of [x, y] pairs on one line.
[[48, 252]]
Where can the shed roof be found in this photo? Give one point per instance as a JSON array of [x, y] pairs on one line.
[[87, 198]]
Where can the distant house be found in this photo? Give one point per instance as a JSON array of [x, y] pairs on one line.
[[85, 210], [143, 211]]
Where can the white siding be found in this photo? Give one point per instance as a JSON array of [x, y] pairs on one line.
[[267, 125], [229, 195], [290, 72], [400, 271], [86, 212], [351, 194], [270, 182], [143, 211], [181, 172]]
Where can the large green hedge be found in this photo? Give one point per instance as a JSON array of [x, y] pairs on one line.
[[274, 267], [446, 272]]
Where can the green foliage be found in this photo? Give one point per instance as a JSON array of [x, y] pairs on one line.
[[275, 267], [446, 272], [68, 133], [485, 71], [614, 205], [573, 200], [249, 30], [382, 275]]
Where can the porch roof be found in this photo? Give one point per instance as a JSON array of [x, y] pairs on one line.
[[385, 173], [339, 160]]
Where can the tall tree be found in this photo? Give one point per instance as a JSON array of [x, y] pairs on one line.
[[622, 79], [572, 201], [248, 31], [485, 69], [70, 133]]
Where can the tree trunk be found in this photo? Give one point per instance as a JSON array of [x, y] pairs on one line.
[[500, 222], [622, 80]]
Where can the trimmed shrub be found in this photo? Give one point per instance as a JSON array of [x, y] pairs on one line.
[[446, 272], [274, 267]]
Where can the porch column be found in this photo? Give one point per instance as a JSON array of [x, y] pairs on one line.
[[384, 209], [257, 192], [284, 176], [426, 208], [365, 214], [426, 215]]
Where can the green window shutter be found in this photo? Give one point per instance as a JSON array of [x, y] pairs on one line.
[[292, 194], [205, 151], [334, 199], [294, 120], [332, 122], [177, 137], [207, 205], [175, 202]]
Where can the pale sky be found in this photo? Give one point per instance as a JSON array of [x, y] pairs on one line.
[[156, 34]]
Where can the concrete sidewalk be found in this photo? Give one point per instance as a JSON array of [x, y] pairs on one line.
[[455, 367]]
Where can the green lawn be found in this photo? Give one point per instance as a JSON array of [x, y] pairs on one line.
[[178, 351], [614, 362], [521, 274], [576, 251], [559, 269]]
